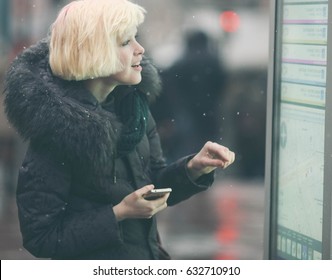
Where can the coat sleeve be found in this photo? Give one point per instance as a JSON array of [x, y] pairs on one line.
[[174, 175], [50, 228]]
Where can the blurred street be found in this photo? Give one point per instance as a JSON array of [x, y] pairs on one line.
[[227, 224]]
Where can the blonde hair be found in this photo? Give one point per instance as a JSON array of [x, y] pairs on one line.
[[85, 37]]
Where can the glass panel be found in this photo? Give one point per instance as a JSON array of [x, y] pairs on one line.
[[302, 91]]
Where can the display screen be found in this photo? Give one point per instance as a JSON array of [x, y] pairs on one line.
[[301, 84]]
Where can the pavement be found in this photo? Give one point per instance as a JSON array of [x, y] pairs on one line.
[[225, 222]]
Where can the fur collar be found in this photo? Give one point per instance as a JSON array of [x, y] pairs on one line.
[[58, 113]]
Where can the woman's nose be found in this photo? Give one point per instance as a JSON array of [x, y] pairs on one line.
[[139, 50]]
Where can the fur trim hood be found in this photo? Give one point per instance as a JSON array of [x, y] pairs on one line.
[[43, 107]]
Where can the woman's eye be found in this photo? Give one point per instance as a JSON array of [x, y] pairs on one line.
[[134, 38], [125, 43]]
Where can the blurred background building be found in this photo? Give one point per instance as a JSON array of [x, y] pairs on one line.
[[219, 96]]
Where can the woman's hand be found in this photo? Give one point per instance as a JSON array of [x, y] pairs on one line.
[[210, 157], [134, 206]]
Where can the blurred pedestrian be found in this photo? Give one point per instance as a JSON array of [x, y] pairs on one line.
[[80, 97], [190, 100]]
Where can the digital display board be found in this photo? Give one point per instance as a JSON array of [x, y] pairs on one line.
[[299, 195]]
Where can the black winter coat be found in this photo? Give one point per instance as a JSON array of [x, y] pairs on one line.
[[71, 179]]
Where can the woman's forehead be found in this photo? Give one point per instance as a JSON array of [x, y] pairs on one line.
[[131, 31]]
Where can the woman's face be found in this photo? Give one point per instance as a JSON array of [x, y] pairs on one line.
[[131, 53]]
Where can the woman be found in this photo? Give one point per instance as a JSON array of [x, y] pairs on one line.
[[80, 98]]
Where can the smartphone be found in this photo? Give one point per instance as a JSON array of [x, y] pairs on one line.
[[156, 193]]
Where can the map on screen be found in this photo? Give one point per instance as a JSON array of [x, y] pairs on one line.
[[301, 129]]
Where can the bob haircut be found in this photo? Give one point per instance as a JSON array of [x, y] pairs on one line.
[[86, 36]]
